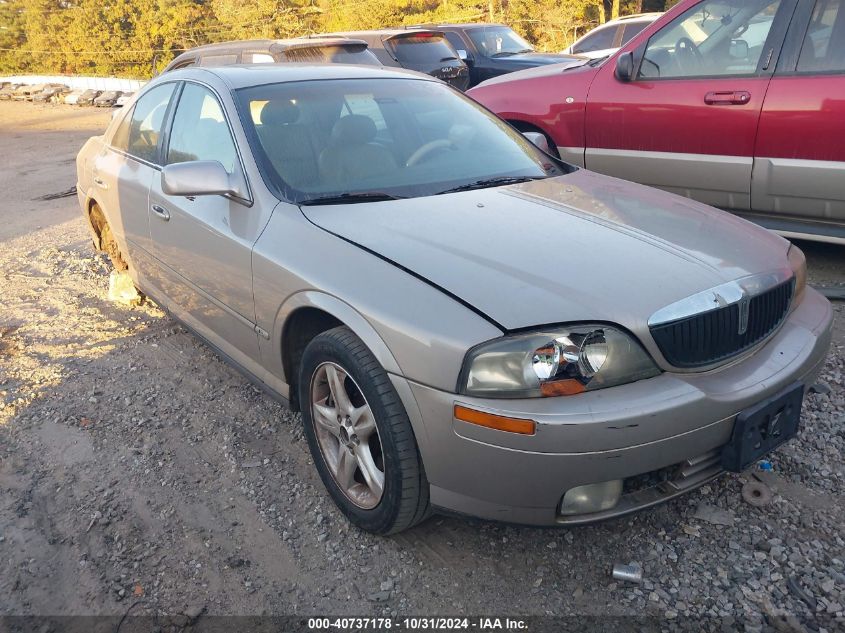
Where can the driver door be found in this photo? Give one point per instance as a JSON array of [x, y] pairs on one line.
[[687, 121]]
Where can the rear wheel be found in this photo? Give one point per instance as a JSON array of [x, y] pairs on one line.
[[360, 435]]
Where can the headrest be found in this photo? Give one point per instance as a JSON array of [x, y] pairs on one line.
[[353, 129], [279, 113]]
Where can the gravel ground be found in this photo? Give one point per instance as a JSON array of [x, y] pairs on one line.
[[138, 471]]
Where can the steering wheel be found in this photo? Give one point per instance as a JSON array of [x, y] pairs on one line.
[[426, 150], [686, 50]]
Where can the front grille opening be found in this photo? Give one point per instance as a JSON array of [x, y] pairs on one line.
[[717, 335]]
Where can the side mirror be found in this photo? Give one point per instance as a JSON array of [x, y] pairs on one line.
[[464, 56], [539, 140], [197, 178], [625, 66]]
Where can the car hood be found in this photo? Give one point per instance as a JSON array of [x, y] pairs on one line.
[[579, 247], [529, 60], [539, 72]]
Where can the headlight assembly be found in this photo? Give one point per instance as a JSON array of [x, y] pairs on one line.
[[559, 362], [798, 263]]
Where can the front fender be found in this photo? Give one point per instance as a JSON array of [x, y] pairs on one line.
[[344, 313]]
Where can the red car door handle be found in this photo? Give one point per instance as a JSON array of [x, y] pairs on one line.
[[729, 97]]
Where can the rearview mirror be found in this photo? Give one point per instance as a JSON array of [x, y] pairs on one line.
[[739, 49], [538, 139], [197, 178], [625, 66]]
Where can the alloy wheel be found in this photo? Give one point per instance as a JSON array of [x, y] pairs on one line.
[[347, 435]]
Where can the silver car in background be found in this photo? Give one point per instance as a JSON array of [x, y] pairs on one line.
[[465, 323]]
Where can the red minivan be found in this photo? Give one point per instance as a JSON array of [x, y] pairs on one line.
[[737, 103]]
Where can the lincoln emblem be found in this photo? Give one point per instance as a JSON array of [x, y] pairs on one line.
[[743, 315]]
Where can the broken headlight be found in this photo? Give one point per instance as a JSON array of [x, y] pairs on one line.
[[561, 362]]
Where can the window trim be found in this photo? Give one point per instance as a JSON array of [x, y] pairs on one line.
[[155, 165], [164, 146], [766, 65]]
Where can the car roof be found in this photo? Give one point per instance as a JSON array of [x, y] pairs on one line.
[[458, 25], [245, 75], [637, 17], [385, 32], [276, 45]]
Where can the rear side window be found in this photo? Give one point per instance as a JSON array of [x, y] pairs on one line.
[[421, 49], [120, 138], [596, 41], [146, 122], [200, 131], [218, 60], [823, 49], [258, 58], [631, 30]]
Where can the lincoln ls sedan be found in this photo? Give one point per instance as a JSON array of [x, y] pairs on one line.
[[465, 322]]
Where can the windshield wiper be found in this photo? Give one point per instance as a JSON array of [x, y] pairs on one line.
[[351, 198], [503, 54], [490, 182], [448, 59]]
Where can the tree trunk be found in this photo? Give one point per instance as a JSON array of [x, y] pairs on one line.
[[614, 11]]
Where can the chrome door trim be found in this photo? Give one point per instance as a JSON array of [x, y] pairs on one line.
[[720, 296]]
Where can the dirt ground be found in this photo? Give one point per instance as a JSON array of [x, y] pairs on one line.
[[139, 473]]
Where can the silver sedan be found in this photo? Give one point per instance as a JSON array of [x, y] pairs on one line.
[[465, 323]]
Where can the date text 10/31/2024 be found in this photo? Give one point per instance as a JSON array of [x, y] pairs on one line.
[[417, 624]]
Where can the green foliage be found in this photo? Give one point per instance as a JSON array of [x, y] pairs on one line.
[[132, 37]]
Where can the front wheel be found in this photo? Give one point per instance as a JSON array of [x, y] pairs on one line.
[[360, 435]]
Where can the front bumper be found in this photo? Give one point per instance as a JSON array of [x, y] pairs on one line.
[[617, 433]]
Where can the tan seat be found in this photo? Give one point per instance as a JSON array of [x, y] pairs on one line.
[[288, 144], [351, 157]]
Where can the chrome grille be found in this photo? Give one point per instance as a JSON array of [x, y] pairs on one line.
[[717, 335]]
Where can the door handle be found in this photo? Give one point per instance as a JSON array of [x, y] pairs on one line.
[[100, 182], [161, 212], [727, 97]]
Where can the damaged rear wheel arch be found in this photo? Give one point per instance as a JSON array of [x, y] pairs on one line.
[[105, 241]]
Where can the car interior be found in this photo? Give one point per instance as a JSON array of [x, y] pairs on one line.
[[333, 140]]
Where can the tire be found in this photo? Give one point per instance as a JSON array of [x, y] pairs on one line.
[[339, 357]]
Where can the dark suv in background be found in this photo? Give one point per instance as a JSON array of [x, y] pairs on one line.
[[423, 50], [490, 50], [338, 50]]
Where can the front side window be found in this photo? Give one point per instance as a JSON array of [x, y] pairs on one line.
[[598, 40], [398, 137], [714, 38], [200, 131], [147, 121], [499, 41], [823, 49]]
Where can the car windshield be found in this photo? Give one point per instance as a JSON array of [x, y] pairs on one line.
[[498, 41], [382, 138]]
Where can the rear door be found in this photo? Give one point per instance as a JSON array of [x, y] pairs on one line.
[[799, 165], [124, 170], [687, 122], [203, 245]]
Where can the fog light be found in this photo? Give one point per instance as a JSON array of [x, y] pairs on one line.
[[591, 498]]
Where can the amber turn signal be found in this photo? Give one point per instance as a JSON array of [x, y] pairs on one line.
[[498, 422]]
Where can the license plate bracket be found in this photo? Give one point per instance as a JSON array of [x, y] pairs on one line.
[[763, 427]]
